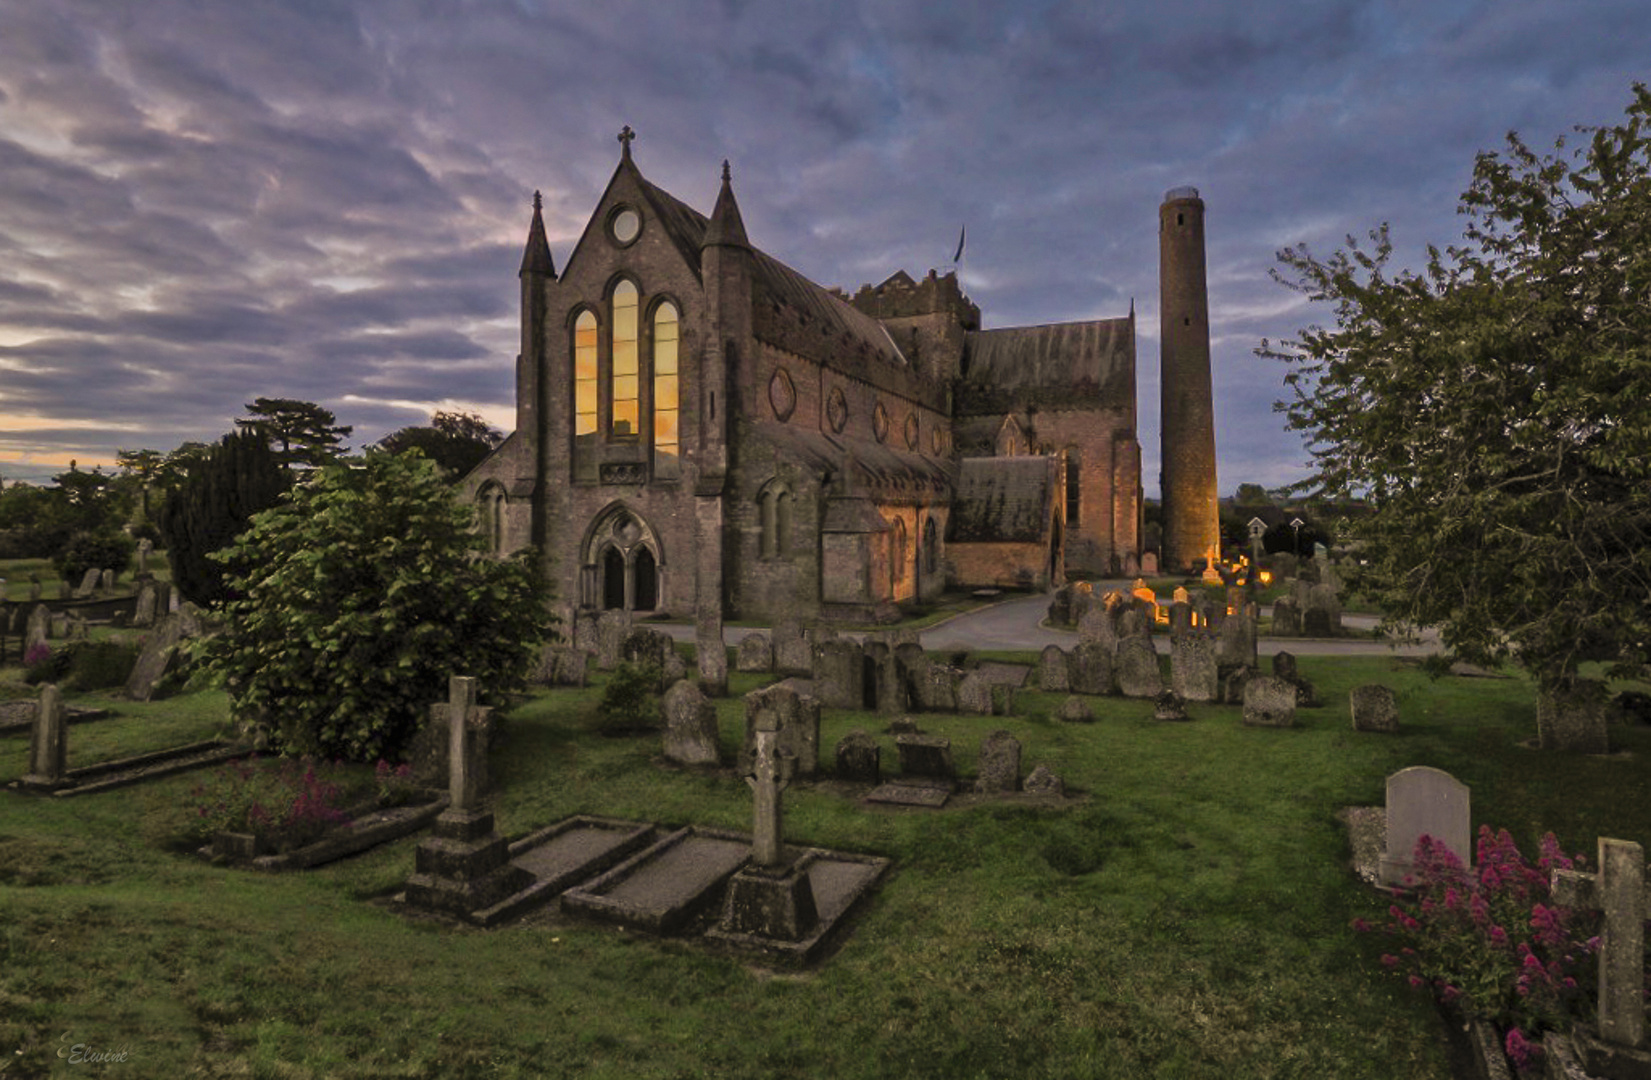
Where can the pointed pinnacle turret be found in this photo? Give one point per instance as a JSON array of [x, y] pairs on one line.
[[536, 257], [726, 229]]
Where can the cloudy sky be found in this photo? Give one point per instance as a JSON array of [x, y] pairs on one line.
[[206, 202]]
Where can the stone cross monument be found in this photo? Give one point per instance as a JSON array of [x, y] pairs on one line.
[[772, 773], [1617, 889]]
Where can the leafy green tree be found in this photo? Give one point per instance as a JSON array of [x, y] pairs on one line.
[[210, 507], [1493, 408], [456, 441], [144, 466], [304, 433], [359, 597], [1252, 495], [96, 549]]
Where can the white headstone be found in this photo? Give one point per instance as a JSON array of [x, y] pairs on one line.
[[1424, 801]]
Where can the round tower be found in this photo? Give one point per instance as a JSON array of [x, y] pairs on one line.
[[1192, 527]]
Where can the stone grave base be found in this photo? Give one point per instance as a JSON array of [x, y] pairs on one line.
[[911, 793], [107, 775], [838, 881], [663, 887], [562, 855], [464, 867], [368, 828], [1595, 1057]]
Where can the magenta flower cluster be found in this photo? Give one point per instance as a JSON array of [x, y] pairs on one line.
[[1492, 941], [286, 800]]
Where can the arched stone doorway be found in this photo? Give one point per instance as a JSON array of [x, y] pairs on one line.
[[621, 565]]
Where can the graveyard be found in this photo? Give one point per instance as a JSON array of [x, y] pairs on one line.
[[1180, 905]]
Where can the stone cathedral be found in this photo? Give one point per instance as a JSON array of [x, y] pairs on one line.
[[700, 428]]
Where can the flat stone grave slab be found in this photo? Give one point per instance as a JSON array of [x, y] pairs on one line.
[[560, 856], [107, 775], [664, 886], [839, 880], [1002, 674], [897, 793]]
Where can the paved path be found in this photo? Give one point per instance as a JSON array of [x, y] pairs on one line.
[[1017, 623]]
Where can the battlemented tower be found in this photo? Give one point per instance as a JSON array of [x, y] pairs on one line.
[[1187, 483]]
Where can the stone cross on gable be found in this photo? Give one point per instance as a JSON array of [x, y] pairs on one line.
[[1617, 889], [771, 774], [625, 137]]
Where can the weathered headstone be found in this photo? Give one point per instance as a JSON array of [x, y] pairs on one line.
[[145, 546], [839, 675], [1284, 666], [1003, 699], [586, 637], [1134, 622], [1052, 671], [974, 694], [36, 589], [1149, 563], [1075, 710], [38, 630], [1138, 672], [159, 647], [754, 653], [647, 646], [1041, 781], [1169, 707], [148, 603], [1286, 618], [48, 742], [1424, 801], [926, 757], [690, 736], [106, 581], [1193, 671], [1617, 888], [882, 671], [939, 689], [1374, 708], [1236, 644], [88, 584], [561, 665], [710, 651], [612, 627], [1269, 702], [1233, 682], [859, 758], [1090, 668], [1180, 618], [1098, 627], [999, 764], [797, 717], [1574, 718], [792, 653], [911, 667]]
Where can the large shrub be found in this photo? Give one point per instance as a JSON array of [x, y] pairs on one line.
[[103, 549], [235, 479], [358, 597]]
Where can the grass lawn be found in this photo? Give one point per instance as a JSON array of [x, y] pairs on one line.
[[1187, 917]]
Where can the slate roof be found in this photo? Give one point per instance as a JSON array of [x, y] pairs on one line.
[[1001, 500], [875, 467], [1076, 365], [841, 327]]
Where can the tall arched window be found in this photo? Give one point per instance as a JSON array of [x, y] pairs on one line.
[[897, 557], [584, 374], [1074, 497], [774, 513], [626, 373], [667, 394], [931, 546]]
